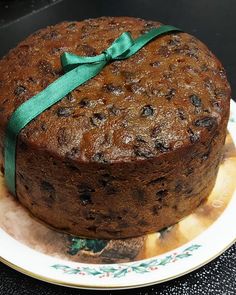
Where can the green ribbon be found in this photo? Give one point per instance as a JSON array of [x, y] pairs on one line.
[[78, 70]]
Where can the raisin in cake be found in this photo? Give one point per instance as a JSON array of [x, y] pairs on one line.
[[131, 151]]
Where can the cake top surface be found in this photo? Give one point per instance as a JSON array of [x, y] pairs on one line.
[[165, 96]]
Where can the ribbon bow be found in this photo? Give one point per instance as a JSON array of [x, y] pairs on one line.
[[78, 70]]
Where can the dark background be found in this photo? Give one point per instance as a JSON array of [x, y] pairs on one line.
[[212, 21]]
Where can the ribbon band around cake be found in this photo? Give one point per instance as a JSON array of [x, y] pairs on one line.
[[78, 70]]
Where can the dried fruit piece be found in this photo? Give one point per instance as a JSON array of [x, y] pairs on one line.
[[115, 89], [114, 110], [182, 114], [63, 112], [85, 198], [170, 94], [87, 49], [147, 111], [155, 64], [75, 151], [161, 194], [162, 146], [143, 151], [164, 51], [85, 102], [47, 186], [45, 67], [63, 136], [52, 35], [157, 180], [72, 27], [193, 136], [195, 100], [99, 157], [137, 88], [20, 90], [97, 119], [106, 179], [207, 122]]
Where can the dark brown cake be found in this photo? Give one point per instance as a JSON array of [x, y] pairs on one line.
[[133, 150]]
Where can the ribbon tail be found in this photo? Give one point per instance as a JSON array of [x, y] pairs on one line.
[[146, 38], [30, 109]]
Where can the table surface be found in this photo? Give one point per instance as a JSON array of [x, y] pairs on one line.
[[212, 21]]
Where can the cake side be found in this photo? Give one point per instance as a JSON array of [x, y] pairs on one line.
[[131, 151], [123, 199]]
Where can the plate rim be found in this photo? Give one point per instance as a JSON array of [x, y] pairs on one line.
[[113, 287]]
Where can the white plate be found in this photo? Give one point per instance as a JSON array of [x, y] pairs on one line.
[[30, 247]]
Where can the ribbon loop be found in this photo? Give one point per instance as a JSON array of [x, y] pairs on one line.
[[119, 46]]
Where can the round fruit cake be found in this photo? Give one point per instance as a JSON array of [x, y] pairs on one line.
[[131, 151]]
